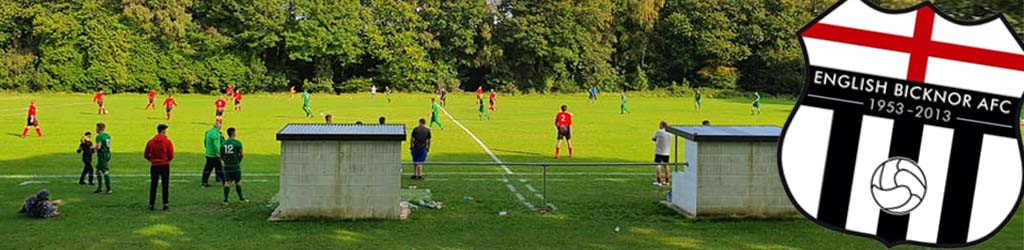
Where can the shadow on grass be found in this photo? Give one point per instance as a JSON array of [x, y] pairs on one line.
[[588, 213], [517, 152], [70, 163]]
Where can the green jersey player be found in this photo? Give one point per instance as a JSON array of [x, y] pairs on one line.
[[623, 109], [231, 154], [697, 95], [387, 93], [435, 115], [756, 105], [305, 103], [103, 151], [482, 109]]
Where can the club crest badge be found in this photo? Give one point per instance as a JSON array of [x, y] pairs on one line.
[[906, 131]]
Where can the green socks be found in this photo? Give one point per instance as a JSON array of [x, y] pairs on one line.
[[238, 189], [101, 180], [227, 192]]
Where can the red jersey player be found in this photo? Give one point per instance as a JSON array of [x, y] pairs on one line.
[[152, 97], [492, 99], [169, 105], [230, 91], [563, 121], [479, 92], [32, 120], [220, 103], [238, 100], [98, 99]]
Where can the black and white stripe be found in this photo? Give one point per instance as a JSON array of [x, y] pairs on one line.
[[856, 143]]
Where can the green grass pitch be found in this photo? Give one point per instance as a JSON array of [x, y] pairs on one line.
[[591, 202]]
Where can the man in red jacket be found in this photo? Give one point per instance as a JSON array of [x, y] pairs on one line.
[[159, 153]]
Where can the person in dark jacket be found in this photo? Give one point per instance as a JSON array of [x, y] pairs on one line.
[[85, 148], [40, 206], [159, 152]]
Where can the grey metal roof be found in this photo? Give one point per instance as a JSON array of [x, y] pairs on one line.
[[342, 132], [727, 133]]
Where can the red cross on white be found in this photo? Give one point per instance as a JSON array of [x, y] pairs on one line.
[[920, 46]]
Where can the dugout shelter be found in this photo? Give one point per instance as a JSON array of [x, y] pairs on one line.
[[729, 171], [340, 171]]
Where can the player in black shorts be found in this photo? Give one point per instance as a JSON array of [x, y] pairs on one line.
[[563, 121]]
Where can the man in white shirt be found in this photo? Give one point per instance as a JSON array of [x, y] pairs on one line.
[[662, 144]]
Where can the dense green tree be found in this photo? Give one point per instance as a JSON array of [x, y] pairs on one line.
[[634, 29], [416, 45], [555, 46], [458, 26]]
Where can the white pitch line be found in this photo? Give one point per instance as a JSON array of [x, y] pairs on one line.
[[6, 114], [478, 141], [31, 176], [552, 206], [531, 188], [539, 174], [493, 157]]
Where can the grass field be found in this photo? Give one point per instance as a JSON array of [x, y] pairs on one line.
[[590, 202]]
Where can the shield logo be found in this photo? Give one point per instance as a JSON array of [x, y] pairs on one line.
[[906, 130]]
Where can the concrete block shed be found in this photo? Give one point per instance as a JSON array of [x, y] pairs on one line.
[[729, 171], [339, 171]]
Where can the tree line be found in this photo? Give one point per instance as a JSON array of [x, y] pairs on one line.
[[200, 46]]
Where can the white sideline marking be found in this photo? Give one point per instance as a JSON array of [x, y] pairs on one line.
[[6, 113], [531, 188], [539, 196], [478, 141], [493, 157], [549, 173], [31, 176], [552, 206], [31, 182]]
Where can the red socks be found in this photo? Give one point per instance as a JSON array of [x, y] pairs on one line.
[[559, 150], [25, 132]]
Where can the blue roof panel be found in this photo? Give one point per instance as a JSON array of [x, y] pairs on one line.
[[727, 133], [343, 132]]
